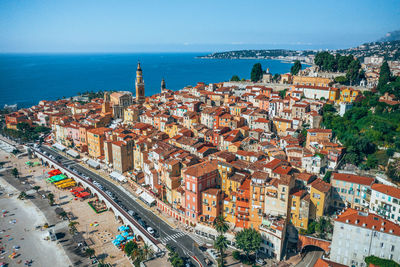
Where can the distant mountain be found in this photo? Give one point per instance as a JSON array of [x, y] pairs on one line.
[[387, 47], [391, 36]]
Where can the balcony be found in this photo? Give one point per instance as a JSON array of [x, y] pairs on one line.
[[272, 194]]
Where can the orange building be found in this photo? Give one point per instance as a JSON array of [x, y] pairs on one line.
[[317, 136], [211, 204], [13, 119], [95, 139], [243, 205]]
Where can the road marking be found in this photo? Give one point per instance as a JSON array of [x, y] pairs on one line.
[[172, 237]]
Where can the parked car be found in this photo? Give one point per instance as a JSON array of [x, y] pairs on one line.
[[150, 230], [142, 223], [132, 213], [260, 261]]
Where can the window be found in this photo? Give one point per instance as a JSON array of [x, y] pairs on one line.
[[187, 185], [194, 187]]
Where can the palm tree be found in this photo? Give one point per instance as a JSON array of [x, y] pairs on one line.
[[221, 242], [89, 252], [221, 225], [147, 251], [15, 172], [72, 227], [22, 195], [36, 188], [137, 256], [50, 196], [63, 215]]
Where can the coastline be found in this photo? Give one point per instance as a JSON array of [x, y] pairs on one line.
[[24, 234], [255, 58]]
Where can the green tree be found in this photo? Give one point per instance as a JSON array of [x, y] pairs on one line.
[[376, 261], [72, 227], [353, 72], [282, 93], [323, 227], [130, 247], [63, 215], [15, 172], [235, 78], [175, 259], [341, 79], [22, 195], [256, 72], [384, 76], [248, 240], [221, 242], [327, 177], [295, 68], [50, 197], [343, 62], [221, 225], [276, 77], [372, 161], [390, 152], [36, 188], [90, 252]]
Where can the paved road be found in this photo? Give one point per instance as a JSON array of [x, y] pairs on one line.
[[165, 233], [310, 258]]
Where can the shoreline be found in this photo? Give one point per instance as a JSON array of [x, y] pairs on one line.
[[23, 233]]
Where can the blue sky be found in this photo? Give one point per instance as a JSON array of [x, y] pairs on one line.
[[191, 25]]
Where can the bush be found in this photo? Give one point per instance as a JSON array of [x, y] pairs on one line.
[[381, 262], [236, 255], [390, 152]]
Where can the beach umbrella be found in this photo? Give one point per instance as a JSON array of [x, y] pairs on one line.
[[125, 234]]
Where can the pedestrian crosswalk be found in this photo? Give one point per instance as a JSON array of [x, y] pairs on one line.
[[199, 240], [172, 237]]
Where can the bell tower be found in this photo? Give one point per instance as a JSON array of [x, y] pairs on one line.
[[140, 98], [163, 85]]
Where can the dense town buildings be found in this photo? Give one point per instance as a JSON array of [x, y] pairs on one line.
[[232, 150]]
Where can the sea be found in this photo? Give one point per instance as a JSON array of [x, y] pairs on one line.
[[25, 79]]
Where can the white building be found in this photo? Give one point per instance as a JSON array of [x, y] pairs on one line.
[[357, 235], [385, 201], [273, 230], [313, 163]]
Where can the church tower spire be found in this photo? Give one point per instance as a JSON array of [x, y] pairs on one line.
[[140, 98], [163, 85]]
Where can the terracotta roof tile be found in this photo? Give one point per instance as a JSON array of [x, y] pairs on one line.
[[367, 220]]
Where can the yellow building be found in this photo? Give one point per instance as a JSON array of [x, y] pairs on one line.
[[171, 129], [225, 170], [300, 209], [320, 193], [95, 138], [257, 197], [131, 114], [348, 95], [281, 125], [229, 209], [237, 110], [190, 118], [312, 81], [334, 94]]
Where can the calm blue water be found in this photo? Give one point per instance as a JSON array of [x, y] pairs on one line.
[[26, 79]]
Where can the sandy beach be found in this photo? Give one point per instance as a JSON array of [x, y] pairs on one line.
[[17, 229]]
